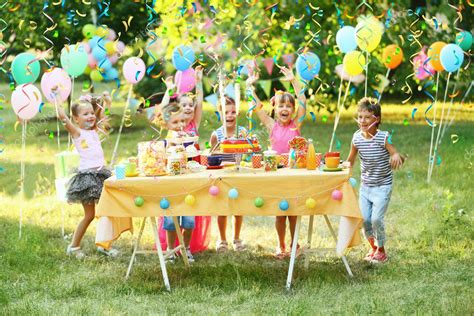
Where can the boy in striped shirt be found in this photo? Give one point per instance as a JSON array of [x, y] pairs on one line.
[[378, 157]]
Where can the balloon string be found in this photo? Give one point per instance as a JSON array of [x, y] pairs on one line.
[[114, 153], [366, 71], [57, 123], [462, 102], [452, 96], [22, 174], [70, 112], [383, 88], [338, 115], [435, 151], [433, 128]]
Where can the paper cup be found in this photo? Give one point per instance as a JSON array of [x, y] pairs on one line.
[[319, 157], [257, 161], [120, 172], [204, 161], [284, 159]]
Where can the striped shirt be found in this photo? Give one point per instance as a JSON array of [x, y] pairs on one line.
[[375, 159]]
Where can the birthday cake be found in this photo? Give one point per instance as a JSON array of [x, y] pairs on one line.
[[239, 145]]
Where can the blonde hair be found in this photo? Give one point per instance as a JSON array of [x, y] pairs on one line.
[[97, 103], [281, 97], [165, 114]]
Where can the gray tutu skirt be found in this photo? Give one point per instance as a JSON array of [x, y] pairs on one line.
[[86, 185]]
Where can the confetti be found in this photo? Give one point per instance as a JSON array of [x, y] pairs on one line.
[[454, 138], [324, 118]]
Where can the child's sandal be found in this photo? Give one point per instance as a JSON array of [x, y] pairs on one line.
[[280, 253], [222, 246], [238, 245], [75, 251]]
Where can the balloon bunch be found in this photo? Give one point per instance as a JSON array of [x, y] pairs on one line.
[[103, 51], [183, 58]]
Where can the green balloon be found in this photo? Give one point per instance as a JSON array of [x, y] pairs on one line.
[[259, 202], [96, 76], [464, 40], [139, 201], [74, 59], [88, 30], [23, 71]]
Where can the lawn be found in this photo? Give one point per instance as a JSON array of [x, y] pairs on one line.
[[429, 227]]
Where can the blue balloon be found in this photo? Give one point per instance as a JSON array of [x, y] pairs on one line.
[[284, 205], [346, 39], [353, 182], [164, 203], [183, 57], [451, 57], [93, 41], [308, 65], [233, 193], [105, 64], [99, 53], [111, 74]]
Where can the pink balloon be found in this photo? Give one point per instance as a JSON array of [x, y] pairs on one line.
[[185, 80], [114, 58], [336, 195], [111, 35], [91, 61], [59, 78], [422, 68], [86, 46], [214, 190], [26, 100], [120, 46], [134, 69]]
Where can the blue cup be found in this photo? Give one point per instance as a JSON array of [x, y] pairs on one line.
[[214, 161], [120, 172]]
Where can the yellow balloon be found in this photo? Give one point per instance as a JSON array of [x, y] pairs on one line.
[[101, 31], [310, 203], [88, 70], [354, 63], [190, 200], [368, 33], [96, 76], [110, 48]]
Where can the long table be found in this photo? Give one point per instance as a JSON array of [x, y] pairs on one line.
[[117, 204]]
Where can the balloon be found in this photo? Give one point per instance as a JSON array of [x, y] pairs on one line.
[[26, 100], [392, 56], [308, 65], [87, 47], [233, 193], [353, 182], [88, 30], [284, 205], [336, 195], [23, 70], [101, 31], [354, 63], [422, 68], [346, 39], [185, 80], [74, 59], [56, 78], [214, 190], [433, 55], [183, 57], [109, 48], [88, 70], [120, 46], [111, 35], [190, 200], [91, 61], [259, 202], [451, 57], [111, 74], [310, 203], [464, 40], [99, 53], [345, 76], [93, 41], [139, 201], [105, 64], [133, 69], [164, 203], [114, 58], [96, 75], [368, 33]]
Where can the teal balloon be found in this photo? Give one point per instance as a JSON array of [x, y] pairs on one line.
[[308, 65], [284, 205], [346, 39], [183, 57], [164, 203], [464, 40], [451, 57], [353, 182], [233, 193], [74, 59], [22, 72]]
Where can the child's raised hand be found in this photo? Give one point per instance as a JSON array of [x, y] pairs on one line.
[[107, 98], [253, 77], [198, 73], [169, 83], [346, 164], [289, 76], [396, 161]]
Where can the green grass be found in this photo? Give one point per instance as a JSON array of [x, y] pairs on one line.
[[429, 229]]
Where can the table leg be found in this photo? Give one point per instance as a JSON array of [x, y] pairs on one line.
[[310, 236], [293, 253], [344, 259], [181, 241], [135, 248], [160, 253]]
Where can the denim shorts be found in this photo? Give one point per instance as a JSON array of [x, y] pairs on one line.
[[186, 222]]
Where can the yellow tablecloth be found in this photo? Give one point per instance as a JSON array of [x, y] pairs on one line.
[[293, 185]]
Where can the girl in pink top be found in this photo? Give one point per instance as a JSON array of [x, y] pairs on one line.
[[282, 128], [86, 185]]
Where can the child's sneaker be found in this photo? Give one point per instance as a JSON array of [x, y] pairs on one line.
[[238, 245], [222, 246], [190, 255], [171, 259], [112, 252], [369, 256], [379, 257], [75, 251]]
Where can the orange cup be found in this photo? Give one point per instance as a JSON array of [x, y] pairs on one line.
[[332, 162]]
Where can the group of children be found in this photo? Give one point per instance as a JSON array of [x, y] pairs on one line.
[[181, 115]]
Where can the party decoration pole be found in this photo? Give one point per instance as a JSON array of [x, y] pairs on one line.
[[22, 173], [366, 72], [336, 121], [452, 96], [57, 123], [222, 97], [114, 154], [237, 107], [383, 88], [70, 112], [430, 160], [338, 102], [440, 125]]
